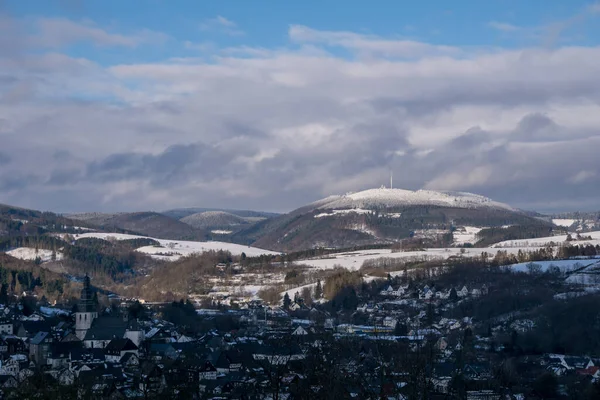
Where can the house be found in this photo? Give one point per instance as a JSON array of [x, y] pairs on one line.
[[28, 329], [81, 356], [130, 361], [103, 330], [3, 346], [228, 361], [574, 362], [477, 372], [64, 376], [8, 382], [134, 332], [39, 347], [152, 379], [441, 344], [207, 371], [163, 351], [60, 354], [442, 375], [462, 292], [299, 331], [15, 345], [117, 348], [6, 326], [390, 322], [14, 365]]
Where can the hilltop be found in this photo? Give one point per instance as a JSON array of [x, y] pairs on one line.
[[388, 216]]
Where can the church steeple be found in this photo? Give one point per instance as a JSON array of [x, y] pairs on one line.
[[86, 312], [86, 301]]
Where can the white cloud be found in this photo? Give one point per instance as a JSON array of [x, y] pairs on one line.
[[222, 25], [503, 26], [276, 128], [368, 44], [58, 32], [594, 8], [582, 176]]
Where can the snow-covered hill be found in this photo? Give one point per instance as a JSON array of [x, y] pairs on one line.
[[172, 250], [390, 198], [211, 219]]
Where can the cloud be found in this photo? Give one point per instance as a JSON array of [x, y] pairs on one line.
[[368, 44], [276, 128], [4, 159], [222, 25], [503, 26]]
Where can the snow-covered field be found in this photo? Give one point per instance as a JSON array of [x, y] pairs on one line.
[[30, 254], [577, 271], [399, 197], [354, 260], [292, 292], [563, 222], [175, 249], [545, 241], [564, 265], [466, 234]]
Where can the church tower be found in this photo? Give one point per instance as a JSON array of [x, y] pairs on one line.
[[86, 311]]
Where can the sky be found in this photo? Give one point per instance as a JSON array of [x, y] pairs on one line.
[[150, 105]]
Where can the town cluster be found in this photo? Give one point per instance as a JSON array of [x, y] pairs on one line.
[[255, 352]]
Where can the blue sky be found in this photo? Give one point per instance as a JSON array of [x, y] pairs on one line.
[[502, 23], [127, 105]]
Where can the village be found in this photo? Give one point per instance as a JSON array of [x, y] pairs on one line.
[[393, 339]]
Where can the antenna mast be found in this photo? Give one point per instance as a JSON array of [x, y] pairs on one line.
[[391, 179]]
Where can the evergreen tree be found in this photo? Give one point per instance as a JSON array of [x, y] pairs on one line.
[[286, 301], [453, 295], [318, 290], [4, 294]]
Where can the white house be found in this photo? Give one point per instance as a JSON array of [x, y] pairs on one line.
[[390, 322]]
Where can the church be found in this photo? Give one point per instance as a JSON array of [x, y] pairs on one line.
[[97, 331]]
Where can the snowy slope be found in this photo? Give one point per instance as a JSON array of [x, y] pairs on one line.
[[563, 222], [378, 198], [466, 234], [180, 248], [213, 218], [545, 241], [30, 254]]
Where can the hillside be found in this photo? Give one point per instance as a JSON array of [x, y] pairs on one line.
[[383, 216], [145, 223], [180, 213], [214, 220]]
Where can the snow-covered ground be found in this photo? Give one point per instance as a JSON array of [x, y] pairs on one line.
[[563, 222], [353, 260], [577, 271], [292, 292], [179, 248], [377, 198], [545, 241], [564, 265], [29, 253], [466, 234], [342, 212]]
